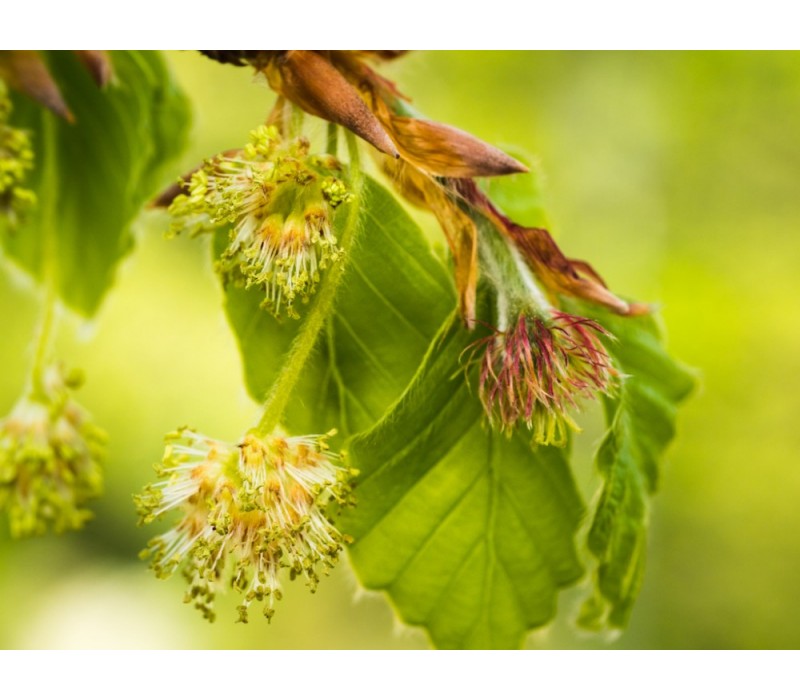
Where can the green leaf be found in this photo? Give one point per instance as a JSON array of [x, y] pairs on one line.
[[393, 299], [469, 532], [641, 424], [93, 177]]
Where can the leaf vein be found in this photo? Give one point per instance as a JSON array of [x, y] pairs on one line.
[[391, 306], [406, 493]]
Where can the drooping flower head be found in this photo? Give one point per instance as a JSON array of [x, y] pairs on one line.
[[537, 370], [49, 459], [16, 160], [247, 511], [279, 202]]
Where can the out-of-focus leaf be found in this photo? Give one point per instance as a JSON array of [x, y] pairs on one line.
[[393, 299], [641, 424], [469, 532], [92, 177]]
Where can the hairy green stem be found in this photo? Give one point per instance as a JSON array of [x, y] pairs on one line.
[[515, 286], [320, 308]]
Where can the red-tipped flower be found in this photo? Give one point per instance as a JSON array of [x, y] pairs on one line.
[[537, 370]]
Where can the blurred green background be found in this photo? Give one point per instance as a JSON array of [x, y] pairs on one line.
[[676, 174]]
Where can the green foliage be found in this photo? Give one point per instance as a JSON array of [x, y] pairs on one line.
[[641, 424], [471, 533], [393, 299], [93, 177]]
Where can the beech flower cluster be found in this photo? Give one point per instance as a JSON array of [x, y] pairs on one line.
[[245, 512], [16, 161], [50, 453], [279, 202]]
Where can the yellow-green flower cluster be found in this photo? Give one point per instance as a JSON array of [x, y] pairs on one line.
[[49, 459], [16, 159], [247, 510], [279, 201]]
